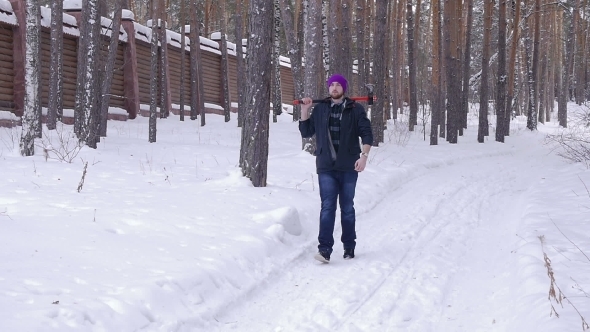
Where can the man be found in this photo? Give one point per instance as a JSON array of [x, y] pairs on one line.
[[337, 123]]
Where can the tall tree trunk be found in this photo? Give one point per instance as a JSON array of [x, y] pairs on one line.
[[87, 85], [483, 125], [313, 37], [294, 51], [30, 116], [466, 65], [532, 115], [360, 42], [512, 66], [413, 120], [163, 67], [182, 56], [568, 65], [154, 72], [335, 36], [105, 99], [277, 102], [501, 76], [55, 104], [453, 70], [379, 72], [197, 95], [346, 47], [257, 123], [395, 59], [240, 64], [437, 102], [579, 69], [224, 63]]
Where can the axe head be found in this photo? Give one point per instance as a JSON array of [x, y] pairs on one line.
[[370, 88]]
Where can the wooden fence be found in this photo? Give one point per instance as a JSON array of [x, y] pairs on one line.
[[130, 87]]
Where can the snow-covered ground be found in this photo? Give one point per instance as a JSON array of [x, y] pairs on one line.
[[169, 236]]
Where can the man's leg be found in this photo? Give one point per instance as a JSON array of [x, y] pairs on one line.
[[347, 212], [328, 184]]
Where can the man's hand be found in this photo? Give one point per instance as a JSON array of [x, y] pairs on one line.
[[305, 106], [360, 164]]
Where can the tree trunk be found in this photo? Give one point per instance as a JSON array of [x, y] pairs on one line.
[[313, 37], [466, 65], [197, 95], [512, 66], [437, 102], [241, 66], [532, 115], [379, 73], [182, 55], [257, 124], [293, 52], [88, 62], [277, 102], [568, 66], [163, 56], [55, 103], [30, 116], [501, 76], [453, 69], [579, 70], [224, 63], [105, 98], [360, 43], [154, 77], [413, 120]]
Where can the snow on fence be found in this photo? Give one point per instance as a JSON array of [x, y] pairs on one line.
[[130, 87]]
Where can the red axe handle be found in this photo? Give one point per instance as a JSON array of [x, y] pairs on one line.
[[315, 101]]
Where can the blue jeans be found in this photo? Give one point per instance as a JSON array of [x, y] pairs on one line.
[[337, 185]]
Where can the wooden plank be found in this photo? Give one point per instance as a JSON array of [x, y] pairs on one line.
[[6, 60], [6, 71], [6, 35], [7, 92], [8, 51], [6, 47]]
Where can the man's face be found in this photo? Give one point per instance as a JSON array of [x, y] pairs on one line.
[[336, 91]]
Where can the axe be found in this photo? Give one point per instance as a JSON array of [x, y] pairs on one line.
[[369, 98]]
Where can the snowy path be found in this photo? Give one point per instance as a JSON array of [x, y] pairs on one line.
[[409, 273]]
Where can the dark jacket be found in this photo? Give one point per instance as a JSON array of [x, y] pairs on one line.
[[354, 124]]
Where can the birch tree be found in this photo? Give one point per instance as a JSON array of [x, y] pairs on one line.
[[30, 118], [87, 92]]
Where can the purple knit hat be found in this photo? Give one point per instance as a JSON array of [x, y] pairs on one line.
[[340, 79]]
